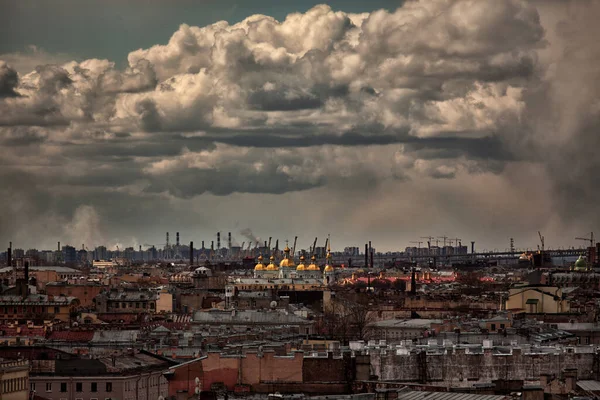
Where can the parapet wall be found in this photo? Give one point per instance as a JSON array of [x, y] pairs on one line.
[[465, 367]]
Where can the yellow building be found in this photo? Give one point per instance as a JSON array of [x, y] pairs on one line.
[[164, 302], [534, 299], [14, 380]]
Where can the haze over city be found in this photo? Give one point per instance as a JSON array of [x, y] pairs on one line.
[[367, 120]]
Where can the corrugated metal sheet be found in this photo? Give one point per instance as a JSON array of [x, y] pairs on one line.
[[446, 396], [591, 386]]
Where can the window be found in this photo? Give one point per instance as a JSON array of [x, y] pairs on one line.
[[108, 386], [502, 326], [48, 387], [493, 327], [79, 387], [63, 387], [56, 310], [94, 387]]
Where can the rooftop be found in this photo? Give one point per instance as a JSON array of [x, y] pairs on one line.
[[248, 317]]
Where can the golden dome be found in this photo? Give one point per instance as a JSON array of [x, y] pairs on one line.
[[301, 266], [328, 267], [260, 266], [287, 263], [313, 266], [272, 266]]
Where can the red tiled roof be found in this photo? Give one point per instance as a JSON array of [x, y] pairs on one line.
[[72, 336], [25, 331]]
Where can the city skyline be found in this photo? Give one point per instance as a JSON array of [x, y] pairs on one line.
[[476, 121]]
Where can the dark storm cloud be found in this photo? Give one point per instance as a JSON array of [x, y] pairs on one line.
[[434, 91], [9, 79]]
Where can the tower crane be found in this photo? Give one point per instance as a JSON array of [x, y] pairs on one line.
[[445, 238], [418, 243], [429, 240], [542, 240], [590, 239]]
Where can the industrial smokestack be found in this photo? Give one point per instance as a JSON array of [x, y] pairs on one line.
[[212, 245], [265, 243], [218, 240], [177, 238], [9, 257], [372, 258], [191, 253], [366, 255], [413, 282], [58, 246], [229, 240], [203, 245], [472, 247], [167, 242]]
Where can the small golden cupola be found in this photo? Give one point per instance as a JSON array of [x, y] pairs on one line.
[[313, 264], [260, 266], [287, 262], [329, 263], [272, 266], [328, 266], [301, 266]]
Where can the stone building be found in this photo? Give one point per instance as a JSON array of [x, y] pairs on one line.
[[537, 299], [14, 379]]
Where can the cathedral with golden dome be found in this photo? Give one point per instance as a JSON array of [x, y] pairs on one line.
[[287, 268]]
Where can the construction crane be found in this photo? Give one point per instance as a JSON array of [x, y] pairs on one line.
[[418, 243], [269, 245], [326, 242], [542, 241], [445, 238], [314, 246], [457, 242], [294, 248], [590, 239], [429, 240]]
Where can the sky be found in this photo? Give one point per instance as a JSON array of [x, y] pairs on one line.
[[367, 120]]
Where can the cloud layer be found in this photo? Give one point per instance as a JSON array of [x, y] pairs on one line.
[[416, 106]]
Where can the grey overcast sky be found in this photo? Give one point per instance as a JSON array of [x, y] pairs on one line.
[[369, 120]]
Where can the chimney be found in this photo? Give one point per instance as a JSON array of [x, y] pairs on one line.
[[177, 238], [191, 253], [229, 240], [372, 258], [203, 245], [9, 256], [218, 240], [58, 246], [212, 245], [472, 247], [366, 255]]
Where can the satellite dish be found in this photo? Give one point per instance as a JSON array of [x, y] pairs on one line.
[[273, 304]]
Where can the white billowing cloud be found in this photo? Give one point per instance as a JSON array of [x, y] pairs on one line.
[[434, 94]]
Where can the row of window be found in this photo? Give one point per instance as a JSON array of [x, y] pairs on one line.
[[31, 309], [131, 305], [78, 387], [14, 385]]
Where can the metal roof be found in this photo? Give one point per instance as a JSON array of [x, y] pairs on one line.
[[446, 396], [591, 386]]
